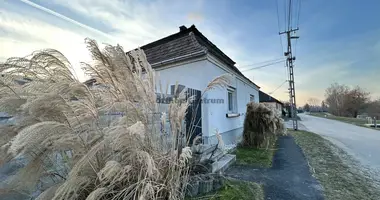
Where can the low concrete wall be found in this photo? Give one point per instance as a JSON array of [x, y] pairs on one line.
[[229, 137]]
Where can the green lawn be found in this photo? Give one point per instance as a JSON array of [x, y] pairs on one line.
[[337, 172], [234, 189], [254, 157], [261, 157], [350, 120]]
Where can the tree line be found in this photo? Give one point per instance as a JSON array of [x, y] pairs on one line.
[[341, 100]]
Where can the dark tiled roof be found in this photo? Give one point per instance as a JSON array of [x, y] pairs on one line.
[[186, 42], [168, 49], [264, 97], [90, 82]]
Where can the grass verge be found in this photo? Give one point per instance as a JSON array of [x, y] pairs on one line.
[[234, 189], [254, 157], [261, 157], [334, 169], [349, 120]]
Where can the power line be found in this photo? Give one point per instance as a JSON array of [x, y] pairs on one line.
[[295, 12], [295, 48], [278, 87], [279, 27], [290, 15], [298, 19], [262, 66], [286, 71], [279, 30], [259, 63], [299, 11], [285, 11]]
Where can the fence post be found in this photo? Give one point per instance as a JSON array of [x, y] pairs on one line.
[[374, 121]]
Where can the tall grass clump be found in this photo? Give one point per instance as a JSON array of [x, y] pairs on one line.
[[71, 146], [261, 126]]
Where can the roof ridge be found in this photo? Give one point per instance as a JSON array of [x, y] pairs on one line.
[[195, 41], [187, 42]]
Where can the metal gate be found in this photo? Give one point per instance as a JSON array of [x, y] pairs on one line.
[[193, 118]]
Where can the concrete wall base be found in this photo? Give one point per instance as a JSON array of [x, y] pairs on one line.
[[229, 137]]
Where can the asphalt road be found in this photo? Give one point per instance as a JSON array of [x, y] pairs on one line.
[[360, 142]]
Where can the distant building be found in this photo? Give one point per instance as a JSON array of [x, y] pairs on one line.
[[271, 102]]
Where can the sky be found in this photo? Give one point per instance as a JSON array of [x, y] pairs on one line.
[[339, 40]]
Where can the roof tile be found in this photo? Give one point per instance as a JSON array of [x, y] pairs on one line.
[[185, 42]]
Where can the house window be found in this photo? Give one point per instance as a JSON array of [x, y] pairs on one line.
[[231, 95], [230, 101], [251, 97]]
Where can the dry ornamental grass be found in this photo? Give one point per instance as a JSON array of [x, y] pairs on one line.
[[71, 150]]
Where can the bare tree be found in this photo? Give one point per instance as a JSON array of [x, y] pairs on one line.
[[355, 101], [306, 107], [313, 101], [335, 97], [324, 106], [373, 108], [314, 104], [343, 101]]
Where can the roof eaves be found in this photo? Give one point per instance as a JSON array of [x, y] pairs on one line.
[[268, 98], [215, 50], [180, 58], [239, 72], [165, 39], [208, 47], [211, 46]]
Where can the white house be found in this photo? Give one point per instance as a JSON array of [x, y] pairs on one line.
[[191, 59]]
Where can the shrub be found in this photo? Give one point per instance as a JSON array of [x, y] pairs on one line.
[[68, 145]]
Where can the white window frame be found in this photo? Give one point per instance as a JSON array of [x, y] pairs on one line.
[[251, 98], [232, 91]]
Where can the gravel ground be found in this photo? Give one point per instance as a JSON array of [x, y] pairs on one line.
[[288, 179]]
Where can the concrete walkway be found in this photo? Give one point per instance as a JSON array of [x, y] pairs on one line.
[[288, 179]]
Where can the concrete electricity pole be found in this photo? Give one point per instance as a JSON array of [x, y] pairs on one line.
[[289, 63]]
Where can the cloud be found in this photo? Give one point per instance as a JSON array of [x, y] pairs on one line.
[[65, 18], [21, 36], [247, 37], [129, 21], [195, 17]]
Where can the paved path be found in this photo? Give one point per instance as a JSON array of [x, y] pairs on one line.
[[288, 179], [360, 142]]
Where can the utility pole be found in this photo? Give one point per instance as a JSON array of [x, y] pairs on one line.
[[289, 64]]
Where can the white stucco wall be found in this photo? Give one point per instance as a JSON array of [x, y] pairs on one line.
[[197, 75]]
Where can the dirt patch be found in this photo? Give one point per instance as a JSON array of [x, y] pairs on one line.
[[339, 173]]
